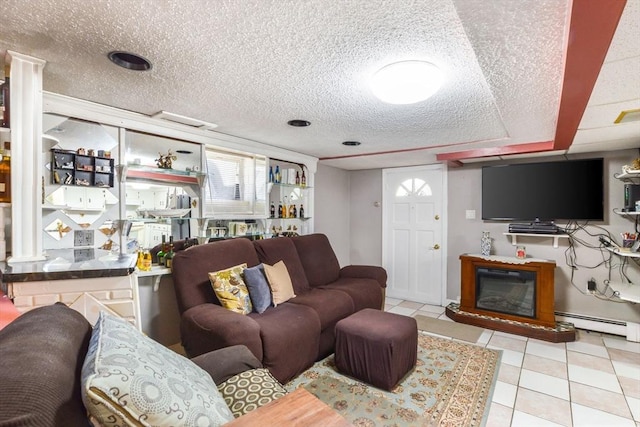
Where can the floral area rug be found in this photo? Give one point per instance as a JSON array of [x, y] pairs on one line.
[[451, 385]]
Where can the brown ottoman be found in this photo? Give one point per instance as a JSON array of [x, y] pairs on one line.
[[376, 347]]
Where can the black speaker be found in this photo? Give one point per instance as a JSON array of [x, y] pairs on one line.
[[631, 196]]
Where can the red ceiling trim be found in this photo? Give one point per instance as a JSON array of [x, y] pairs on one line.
[[592, 26], [530, 147]]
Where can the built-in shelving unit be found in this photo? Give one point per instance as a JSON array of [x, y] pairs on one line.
[[626, 291], [71, 168], [623, 252], [171, 176], [555, 237], [628, 176]]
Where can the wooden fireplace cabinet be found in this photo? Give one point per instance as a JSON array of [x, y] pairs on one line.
[[544, 296]]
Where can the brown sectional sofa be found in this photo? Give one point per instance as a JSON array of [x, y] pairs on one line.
[[289, 338]]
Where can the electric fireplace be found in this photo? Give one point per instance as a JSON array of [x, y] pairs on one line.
[[506, 291], [510, 294]]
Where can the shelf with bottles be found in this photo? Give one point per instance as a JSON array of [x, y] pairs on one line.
[[80, 169], [287, 177]]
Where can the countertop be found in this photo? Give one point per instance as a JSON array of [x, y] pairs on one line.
[[65, 264]]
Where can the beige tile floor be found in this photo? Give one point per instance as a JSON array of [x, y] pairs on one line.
[[593, 381]]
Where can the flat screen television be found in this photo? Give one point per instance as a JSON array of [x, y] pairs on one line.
[[548, 191]]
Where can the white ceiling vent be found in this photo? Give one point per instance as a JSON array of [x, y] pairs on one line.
[[184, 120], [627, 116]]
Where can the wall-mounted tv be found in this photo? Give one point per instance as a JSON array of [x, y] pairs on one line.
[[548, 191]]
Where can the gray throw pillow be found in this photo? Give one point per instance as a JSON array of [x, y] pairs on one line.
[[259, 290]]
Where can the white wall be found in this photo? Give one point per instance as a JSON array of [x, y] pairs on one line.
[[464, 237], [331, 209], [366, 217], [464, 193]]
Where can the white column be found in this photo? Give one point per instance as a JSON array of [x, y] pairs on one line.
[[26, 157]]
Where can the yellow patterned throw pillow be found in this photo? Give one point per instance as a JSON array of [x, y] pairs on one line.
[[231, 290]]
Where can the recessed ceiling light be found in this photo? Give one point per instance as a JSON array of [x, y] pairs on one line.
[[406, 82], [351, 143], [129, 60], [298, 123]]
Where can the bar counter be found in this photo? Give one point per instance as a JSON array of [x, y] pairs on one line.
[[68, 264]]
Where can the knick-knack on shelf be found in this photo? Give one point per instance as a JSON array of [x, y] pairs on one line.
[[485, 244]]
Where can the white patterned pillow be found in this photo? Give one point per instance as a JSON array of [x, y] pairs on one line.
[[129, 379]]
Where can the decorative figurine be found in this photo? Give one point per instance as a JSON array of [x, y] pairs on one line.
[[165, 160]]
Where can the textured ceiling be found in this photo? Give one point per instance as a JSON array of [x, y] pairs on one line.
[[250, 66]]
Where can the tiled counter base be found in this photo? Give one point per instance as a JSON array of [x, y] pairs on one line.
[[88, 286]]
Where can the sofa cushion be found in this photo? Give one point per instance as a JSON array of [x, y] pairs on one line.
[[128, 378], [331, 305], [271, 251], [290, 339], [226, 362], [41, 355], [318, 258], [230, 289], [279, 282], [191, 269], [365, 293], [250, 390], [259, 289]]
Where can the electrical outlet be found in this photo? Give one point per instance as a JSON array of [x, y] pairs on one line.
[[470, 214], [591, 285], [83, 238]]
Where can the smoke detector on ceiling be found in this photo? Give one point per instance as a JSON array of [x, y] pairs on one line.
[[184, 120]]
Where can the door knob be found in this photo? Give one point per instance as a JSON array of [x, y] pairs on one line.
[[436, 246], [437, 217]]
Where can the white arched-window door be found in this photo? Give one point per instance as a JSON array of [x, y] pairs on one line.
[[414, 232]]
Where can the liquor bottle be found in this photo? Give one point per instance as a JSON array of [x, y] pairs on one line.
[[301, 212], [270, 173], [295, 212], [280, 209], [140, 261], [168, 258], [277, 177], [297, 178], [5, 174], [292, 211], [146, 261], [285, 208], [303, 179], [162, 252], [6, 97], [272, 210]]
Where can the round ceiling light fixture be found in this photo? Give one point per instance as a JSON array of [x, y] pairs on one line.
[[351, 143], [406, 82], [129, 60], [299, 123]]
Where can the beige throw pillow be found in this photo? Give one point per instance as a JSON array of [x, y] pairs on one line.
[[279, 282]]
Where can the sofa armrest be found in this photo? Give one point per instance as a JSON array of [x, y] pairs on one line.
[[226, 362], [376, 273], [208, 327]]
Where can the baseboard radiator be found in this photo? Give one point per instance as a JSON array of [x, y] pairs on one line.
[[629, 330]]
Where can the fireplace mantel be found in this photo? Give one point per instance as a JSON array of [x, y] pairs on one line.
[[533, 312]]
